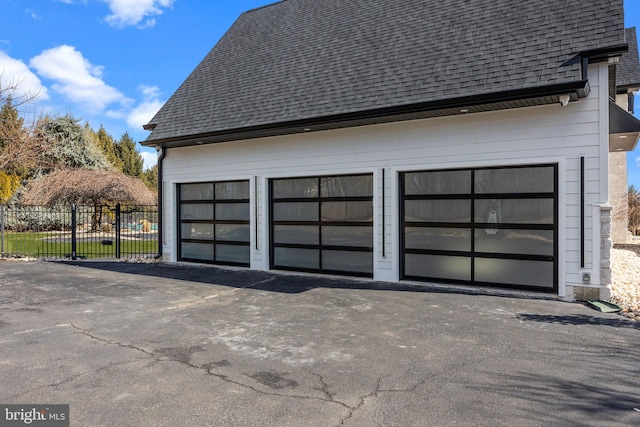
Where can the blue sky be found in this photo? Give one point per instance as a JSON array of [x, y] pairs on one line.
[[115, 62]]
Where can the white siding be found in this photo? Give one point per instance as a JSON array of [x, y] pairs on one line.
[[546, 134]]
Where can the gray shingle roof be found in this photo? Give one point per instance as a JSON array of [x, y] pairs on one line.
[[302, 59], [628, 70]]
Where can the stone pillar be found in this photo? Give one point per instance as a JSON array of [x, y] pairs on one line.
[[618, 196], [605, 251]]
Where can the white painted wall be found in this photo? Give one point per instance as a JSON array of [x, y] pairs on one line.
[[545, 134]]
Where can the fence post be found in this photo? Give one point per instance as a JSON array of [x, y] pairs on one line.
[[118, 230], [73, 232], [2, 228]]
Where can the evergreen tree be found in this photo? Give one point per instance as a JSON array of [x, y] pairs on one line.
[[71, 145], [131, 159], [150, 178], [12, 139], [108, 146]]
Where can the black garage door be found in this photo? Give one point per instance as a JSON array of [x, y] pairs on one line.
[[213, 222], [323, 224], [493, 226]]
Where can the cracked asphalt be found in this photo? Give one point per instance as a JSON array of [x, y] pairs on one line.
[[165, 345]]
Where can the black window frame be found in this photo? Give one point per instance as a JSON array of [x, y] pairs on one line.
[[213, 242], [472, 254], [320, 223]]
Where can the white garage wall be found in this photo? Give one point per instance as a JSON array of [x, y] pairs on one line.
[[545, 134]]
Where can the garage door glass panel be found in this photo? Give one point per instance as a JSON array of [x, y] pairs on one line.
[[197, 251], [516, 272], [438, 267], [199, 211], [295, 188], [232, 253], [197, 231], [348, 261], [438, 182], [196, 191], [515, 180], [295, 211], [438, 238], [515, 211], [296, 234], [347, 236], [527, 242], [233, 232], [347, 211], [438, 210], [235, 190], [297, 258], [347, 186], [232, 211]]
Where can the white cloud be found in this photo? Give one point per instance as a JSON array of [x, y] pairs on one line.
[[76, 78], [145, 111], [15, 72], [138, 13], [150, 158]]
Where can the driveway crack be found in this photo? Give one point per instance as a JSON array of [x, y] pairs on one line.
[[328, 398]]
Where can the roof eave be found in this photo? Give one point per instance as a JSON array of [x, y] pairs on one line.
[[534, 96]]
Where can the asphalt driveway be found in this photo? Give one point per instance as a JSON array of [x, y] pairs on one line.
[[159, 345]]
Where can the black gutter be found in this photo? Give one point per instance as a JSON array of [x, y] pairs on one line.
[[160, 203], [578, 89]]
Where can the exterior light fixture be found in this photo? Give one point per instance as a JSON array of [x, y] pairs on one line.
[[564, 100]]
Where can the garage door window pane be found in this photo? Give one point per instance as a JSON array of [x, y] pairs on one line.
[[295, 211], [295, 188], [347, 186], [515, 211], [515, 272], [438, 210], [347, 211], [438, 267], [233, 232], [357, 262], [199, 251], [528, 242], [296, 234], [436, 238], [197, 231], [347, 236], [201, 211], [232, 211], [236, 190], [297, 258], [232, 253], [515, 180], [437, 182], [196, 191]]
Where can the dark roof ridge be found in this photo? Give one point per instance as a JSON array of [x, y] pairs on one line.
[[263, 7]]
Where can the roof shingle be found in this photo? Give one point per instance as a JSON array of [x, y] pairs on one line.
[[300, 59]]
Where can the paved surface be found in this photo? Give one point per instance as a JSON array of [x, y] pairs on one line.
[[149, 345]]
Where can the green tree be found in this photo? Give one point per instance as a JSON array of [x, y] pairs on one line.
[[150, 178], [71, 146], [108, 147], [131, 159], [14, 151]]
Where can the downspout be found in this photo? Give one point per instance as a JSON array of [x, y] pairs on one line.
[[163, 153]]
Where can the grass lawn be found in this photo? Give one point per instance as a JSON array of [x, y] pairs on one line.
[[41, 245]]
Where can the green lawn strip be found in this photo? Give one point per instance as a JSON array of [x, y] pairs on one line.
[[38, 245]]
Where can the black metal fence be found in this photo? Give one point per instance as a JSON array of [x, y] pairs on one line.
[[79, 232]]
